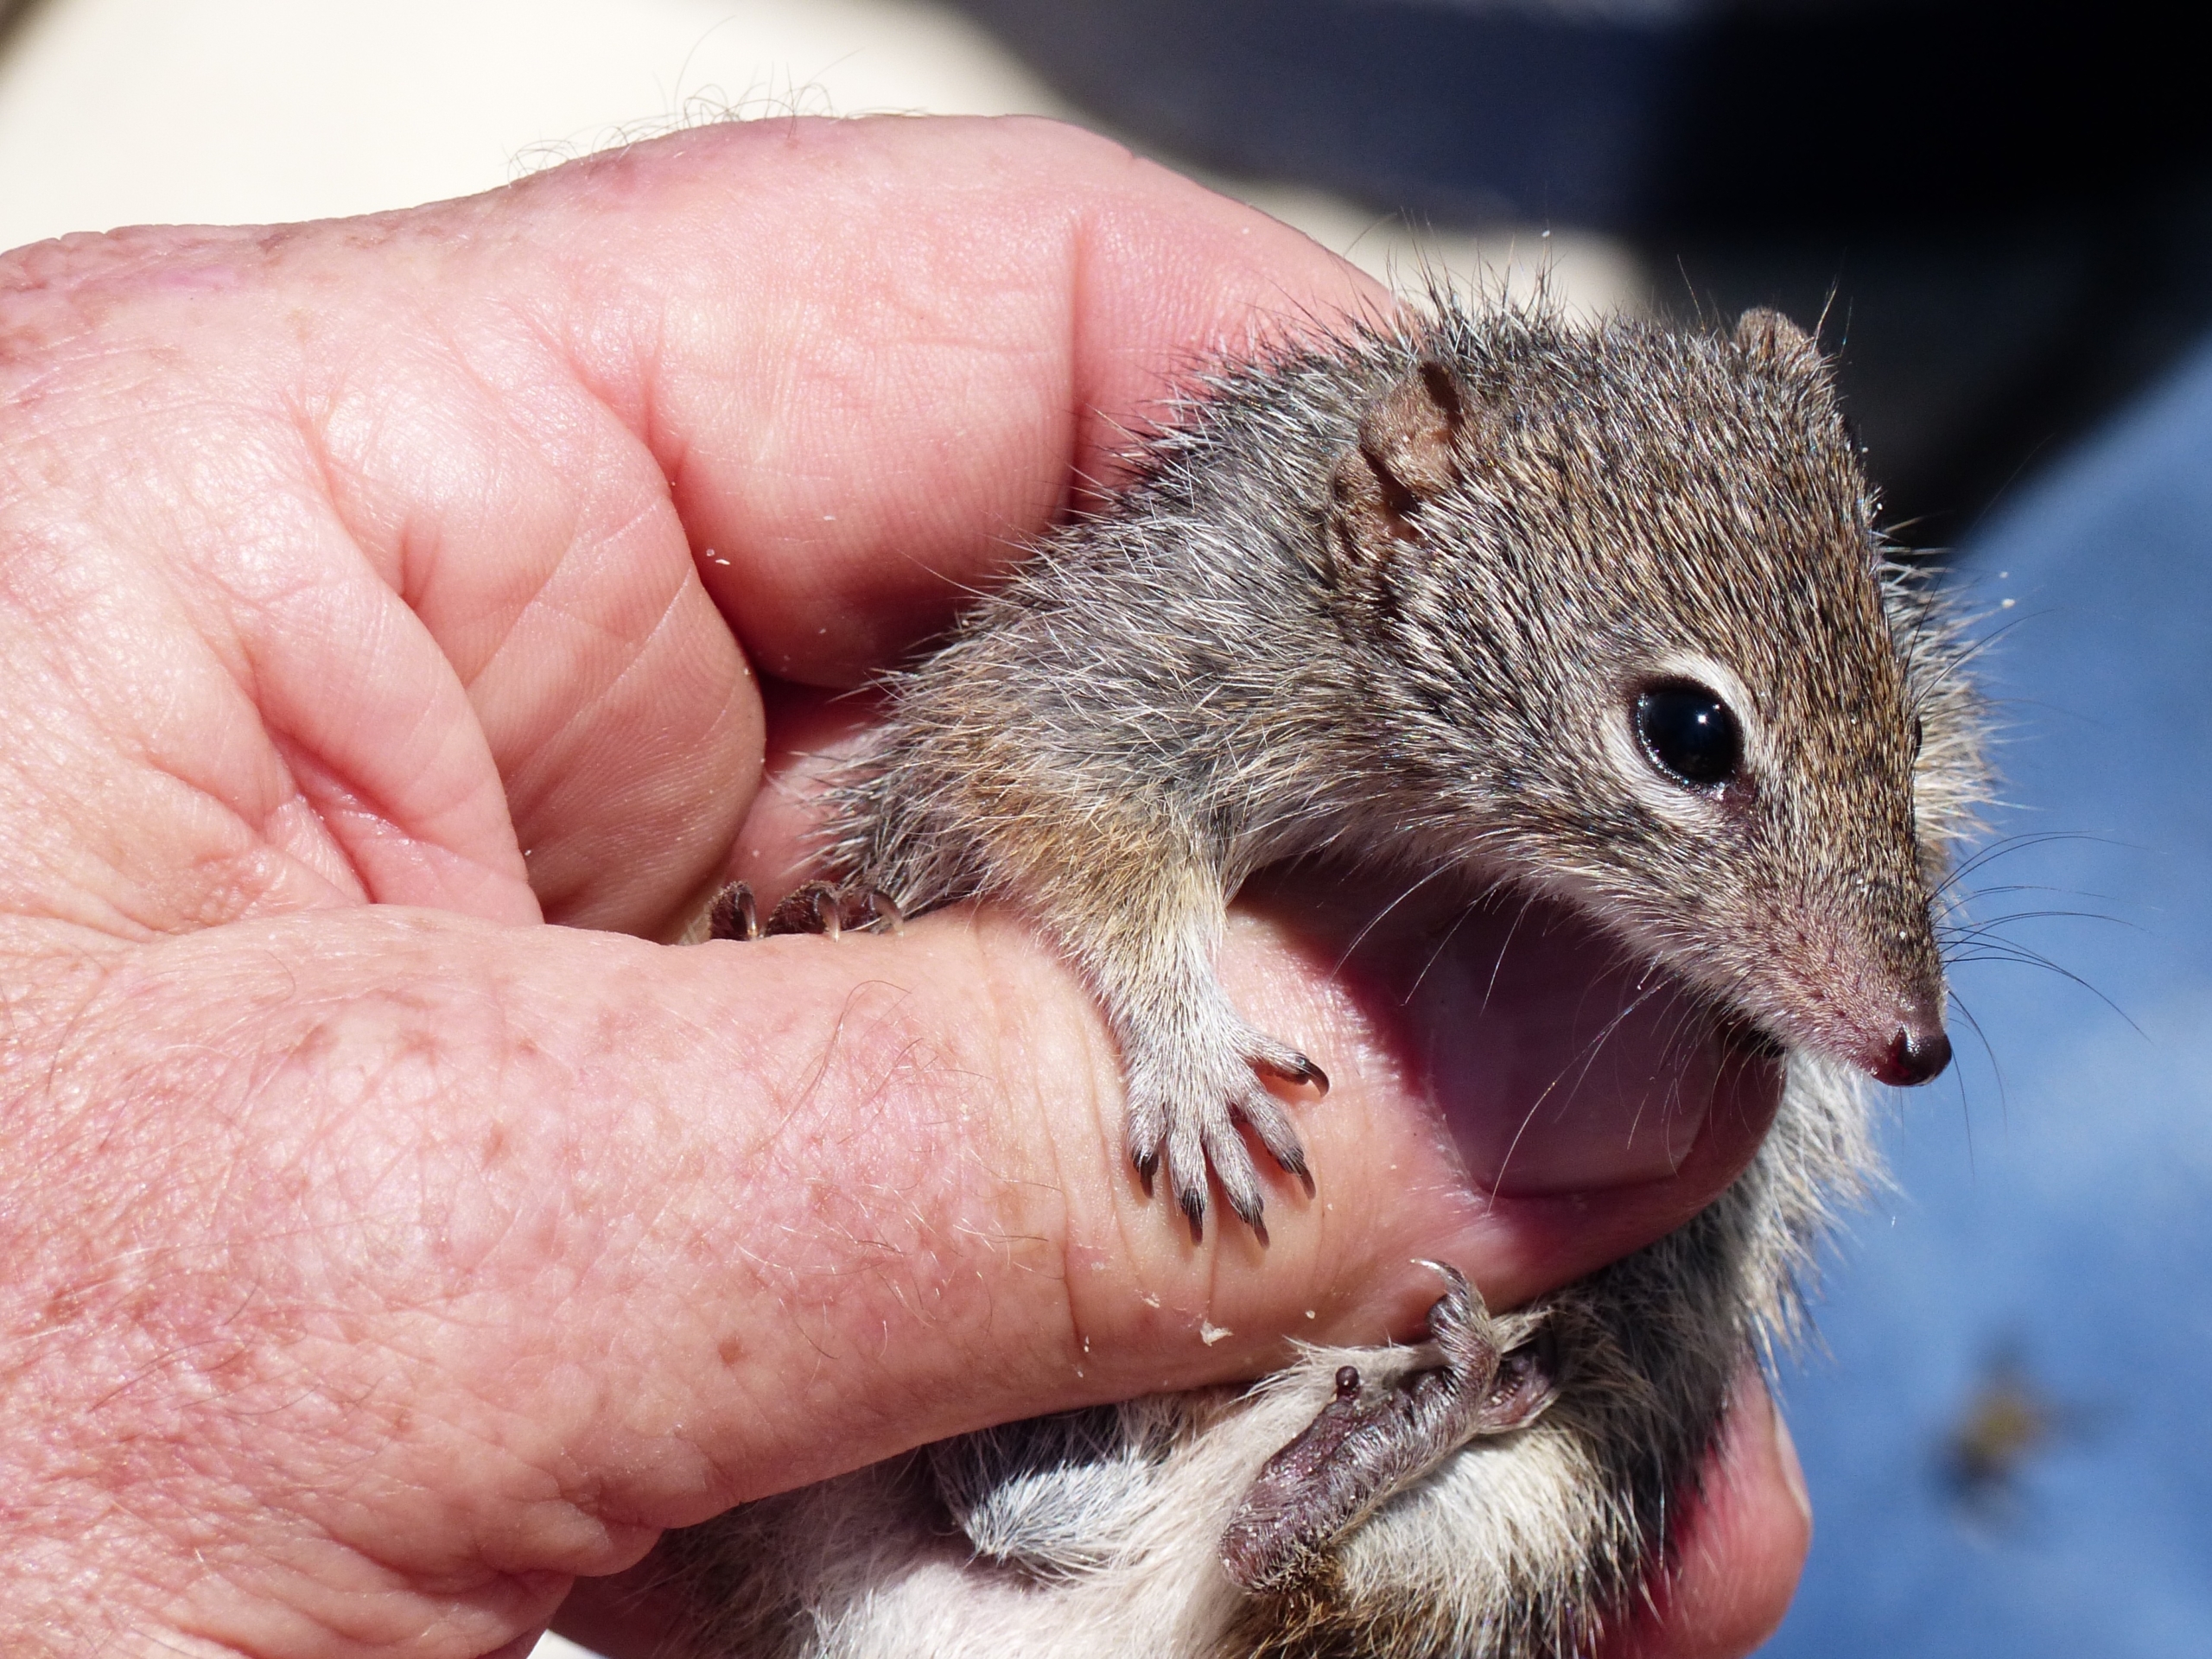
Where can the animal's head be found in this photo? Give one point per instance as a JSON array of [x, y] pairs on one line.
[[1637, 616]]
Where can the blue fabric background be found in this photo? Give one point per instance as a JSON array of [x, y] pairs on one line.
[[2055, 1199]]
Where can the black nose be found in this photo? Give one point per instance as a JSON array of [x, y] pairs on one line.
[[1915, 1057]]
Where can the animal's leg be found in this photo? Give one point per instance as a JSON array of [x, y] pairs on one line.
[[1146, 942], [1191, 1062]]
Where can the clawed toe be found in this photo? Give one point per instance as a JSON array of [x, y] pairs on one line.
[[1193, 1145], [814, 908], [1503, 1366], [1148, 1168], [825, 908], [1293, 1067], [734, 915], [1191, 1200], [1240, 1184], [1195, 1124], [1264, 1113]]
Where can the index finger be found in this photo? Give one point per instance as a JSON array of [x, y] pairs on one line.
[[440, 488]]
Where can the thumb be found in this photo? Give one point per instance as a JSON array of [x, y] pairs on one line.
[[512, 1245], [420, 1261]]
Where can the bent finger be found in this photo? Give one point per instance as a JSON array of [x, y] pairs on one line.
[[844, 368]]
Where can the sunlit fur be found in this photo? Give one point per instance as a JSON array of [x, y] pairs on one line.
[[1244, 658]]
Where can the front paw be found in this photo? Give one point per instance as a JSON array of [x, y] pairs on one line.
[[1187, 1101]]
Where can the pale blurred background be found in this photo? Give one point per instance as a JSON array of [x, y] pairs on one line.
[[229, 112], [2002, 214]]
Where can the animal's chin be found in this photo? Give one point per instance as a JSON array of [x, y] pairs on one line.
[[1748, 1040], [1560, 1061]]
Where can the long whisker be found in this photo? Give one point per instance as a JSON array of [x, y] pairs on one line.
[[2020, 955], [1490, 986], [1380, 916], [2010, 844], [1996, 1071], [1586, 1059], [1451, 932], [1970, 933]]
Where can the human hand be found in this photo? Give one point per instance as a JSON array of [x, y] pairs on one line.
[[380, 1259]]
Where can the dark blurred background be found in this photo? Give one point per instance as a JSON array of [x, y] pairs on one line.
[[2003, 210]]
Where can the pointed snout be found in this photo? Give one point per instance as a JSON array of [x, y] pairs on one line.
[[1918, 1052]]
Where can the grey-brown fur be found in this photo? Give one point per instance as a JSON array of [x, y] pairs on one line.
[[1391, 602]]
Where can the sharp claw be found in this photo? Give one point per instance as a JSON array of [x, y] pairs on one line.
[[1194, 1212], [1297, 1069], [1291, 1160], [1455, 1282], [884, 911], [1205, 1141], [814, 908], [1362, 1448], [1454, 1317], [734, 915], [1249, 1208]]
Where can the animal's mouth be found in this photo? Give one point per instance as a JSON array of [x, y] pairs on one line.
[[1561, 1061]]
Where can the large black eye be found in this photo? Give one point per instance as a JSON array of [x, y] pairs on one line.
[[1690, 733]]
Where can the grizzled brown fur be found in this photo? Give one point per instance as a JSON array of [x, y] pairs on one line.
[[1393, 601]]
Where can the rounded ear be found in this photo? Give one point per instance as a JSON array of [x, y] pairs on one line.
[[1769, 337], [1405, 457]]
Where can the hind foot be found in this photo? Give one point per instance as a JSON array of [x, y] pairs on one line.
[[1370, 1443]]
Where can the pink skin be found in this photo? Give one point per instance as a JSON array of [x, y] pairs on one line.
[[379, 1259]]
